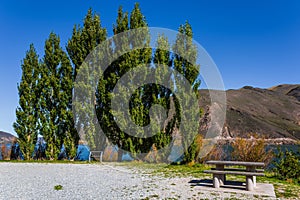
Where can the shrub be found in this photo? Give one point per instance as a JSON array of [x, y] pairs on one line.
[[251, 150], [195, 150], [288, 165]]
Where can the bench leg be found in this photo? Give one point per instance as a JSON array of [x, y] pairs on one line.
[[249, 183], [216, 182], [222, 178], [254, 181]]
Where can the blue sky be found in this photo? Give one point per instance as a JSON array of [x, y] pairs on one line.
[[253, 42]]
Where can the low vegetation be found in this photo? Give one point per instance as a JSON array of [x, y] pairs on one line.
[[251, 150], [58, 187], [288, 166]]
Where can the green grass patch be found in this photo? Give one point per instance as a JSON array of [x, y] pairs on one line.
[[58, 187]]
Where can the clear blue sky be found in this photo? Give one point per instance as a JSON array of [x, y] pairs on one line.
[[253, 42]]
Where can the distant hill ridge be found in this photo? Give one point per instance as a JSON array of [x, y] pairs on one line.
[[6, 137], [271, 113]]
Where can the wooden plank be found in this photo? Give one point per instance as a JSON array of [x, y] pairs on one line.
[[220, 162], [244, 173], [238, 169]]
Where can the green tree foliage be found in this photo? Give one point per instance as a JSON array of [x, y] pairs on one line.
[[128, 60], [83, 41], [26, 124], [107, 83], [146, 96], [185, 56], [162, 95], [287, 165], [46, 88], [56, 82]]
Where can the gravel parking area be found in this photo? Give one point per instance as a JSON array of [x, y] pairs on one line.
[[95, 181]]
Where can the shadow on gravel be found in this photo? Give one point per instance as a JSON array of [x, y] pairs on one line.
[[209, 183]]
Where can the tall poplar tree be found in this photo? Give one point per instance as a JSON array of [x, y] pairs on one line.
[[66, 126], [55, 104], [185, 57], [163, 96], [110, 78], [26, 124], [80, 45], [142, 99]]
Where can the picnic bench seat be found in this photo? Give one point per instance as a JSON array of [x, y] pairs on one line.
[[219, 173], [238, 169], [245, 173]]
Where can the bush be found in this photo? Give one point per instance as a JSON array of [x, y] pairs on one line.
[[191, 154], [288, 165], [251, 150]]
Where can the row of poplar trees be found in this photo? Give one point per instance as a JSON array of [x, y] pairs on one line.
[[47, 83]]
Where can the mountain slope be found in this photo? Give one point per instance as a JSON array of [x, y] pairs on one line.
[[272, 113], [6, 137], [290, 90]]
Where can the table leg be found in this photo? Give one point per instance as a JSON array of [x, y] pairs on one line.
[[216, 182], [249, 183], [222, 177], [252, 169]]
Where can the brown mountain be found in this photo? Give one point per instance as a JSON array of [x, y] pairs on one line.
[[6, 137], [272, 113]]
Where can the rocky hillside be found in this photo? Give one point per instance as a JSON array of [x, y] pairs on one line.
[[272, 113], [6, 137]]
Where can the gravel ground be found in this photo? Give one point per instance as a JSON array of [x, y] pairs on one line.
[[95, 181]]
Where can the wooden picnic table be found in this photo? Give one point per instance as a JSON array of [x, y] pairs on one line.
[[251, 171]]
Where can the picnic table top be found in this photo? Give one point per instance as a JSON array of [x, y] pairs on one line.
[[242, 163]]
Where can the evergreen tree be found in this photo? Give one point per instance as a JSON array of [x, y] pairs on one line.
[[123, 64], [26, 113], [161, 94], [46, 88], [143, 97], [111, 76], [80, 45], [185, 55], [55, 104], [66, 127], [85, 39]]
